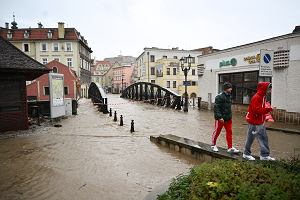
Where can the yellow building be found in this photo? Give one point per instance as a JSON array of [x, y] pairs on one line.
[[168, 73], [65, 45]]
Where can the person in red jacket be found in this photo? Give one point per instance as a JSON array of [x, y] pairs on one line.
[[256, 118]]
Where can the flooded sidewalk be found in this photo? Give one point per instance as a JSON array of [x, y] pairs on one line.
[[92, 157]]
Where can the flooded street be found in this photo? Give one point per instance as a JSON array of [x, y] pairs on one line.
[[92, 157]]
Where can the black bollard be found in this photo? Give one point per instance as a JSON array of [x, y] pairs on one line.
[[121, 120], [110, 112], [132, 126], [115, 116]]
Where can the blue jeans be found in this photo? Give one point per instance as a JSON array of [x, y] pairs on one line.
[[258, 131]]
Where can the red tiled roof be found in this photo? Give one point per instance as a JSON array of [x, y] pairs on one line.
[[39, 34]]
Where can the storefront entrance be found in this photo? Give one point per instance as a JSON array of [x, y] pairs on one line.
[[243, 85]]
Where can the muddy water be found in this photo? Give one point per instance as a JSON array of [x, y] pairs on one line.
[[91, 157]]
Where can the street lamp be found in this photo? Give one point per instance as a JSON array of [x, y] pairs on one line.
[[122, 80], [186, 70]]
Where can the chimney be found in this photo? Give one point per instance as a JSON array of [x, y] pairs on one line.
[[40, 25], [6, 25], [61, 30]]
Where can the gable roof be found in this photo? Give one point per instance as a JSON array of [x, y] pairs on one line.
[[13, 60]]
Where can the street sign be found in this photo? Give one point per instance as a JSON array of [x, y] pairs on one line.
[[186, 83], [266, 63]]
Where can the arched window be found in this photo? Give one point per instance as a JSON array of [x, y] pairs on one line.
[[54, 70]]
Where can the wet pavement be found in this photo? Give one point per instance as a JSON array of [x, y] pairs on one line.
[[92, 157]]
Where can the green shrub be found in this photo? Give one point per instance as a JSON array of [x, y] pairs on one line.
[[227, 179]]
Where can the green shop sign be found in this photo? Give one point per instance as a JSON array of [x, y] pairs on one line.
[[231, 62]]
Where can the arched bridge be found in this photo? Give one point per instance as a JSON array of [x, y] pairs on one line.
[[98, 97], [152, 93]]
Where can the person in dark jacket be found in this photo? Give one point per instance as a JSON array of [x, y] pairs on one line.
[[256, 118], [223, 117]]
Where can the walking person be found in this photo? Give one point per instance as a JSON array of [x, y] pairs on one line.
[[223, 118], [256, 117]]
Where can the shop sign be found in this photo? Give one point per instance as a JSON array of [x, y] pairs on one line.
[[266, 63], [231, 62], [252, 59]]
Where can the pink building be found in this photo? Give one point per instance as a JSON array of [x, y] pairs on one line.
[[122, 76]]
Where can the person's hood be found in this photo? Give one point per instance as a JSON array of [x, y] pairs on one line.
[[262, 87]]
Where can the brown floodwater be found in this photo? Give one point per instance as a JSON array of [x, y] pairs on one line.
[[92, 157]]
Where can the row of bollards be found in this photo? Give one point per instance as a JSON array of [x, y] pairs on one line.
[[121, 120]]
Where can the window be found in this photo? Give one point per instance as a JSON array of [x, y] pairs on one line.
[[165, 57], [194, 83], [168, 71], [55, 46], [174, 84], [168, 84], [174, 71], [66, 90], [152, 70], [193, 72], [26, 47], [49, 34], [54, 70], [56, 59], [243, 85], [69, 62], [192, 59], [26, 34], [46, 90], [152, 58], [44, 47], [44, 61], [152, 81], [175, 57], [9, 34], [68, 46]]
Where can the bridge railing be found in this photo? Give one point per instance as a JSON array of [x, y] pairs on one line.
[[98, 97], [152, 93]]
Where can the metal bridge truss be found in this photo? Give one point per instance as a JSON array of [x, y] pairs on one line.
[[152, 93], [98, 97]]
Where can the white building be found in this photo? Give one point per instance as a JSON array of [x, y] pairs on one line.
[[240, 66]]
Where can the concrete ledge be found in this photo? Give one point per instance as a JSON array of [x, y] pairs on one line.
[[284, 130], [195, 149]]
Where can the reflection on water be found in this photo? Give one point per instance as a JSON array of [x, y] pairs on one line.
[[91, 157]]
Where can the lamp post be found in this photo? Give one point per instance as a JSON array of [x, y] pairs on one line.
[[148, 66], [122, 80], [186, 69]]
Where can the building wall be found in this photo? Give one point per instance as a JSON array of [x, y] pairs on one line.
[[36, 88], [166, 64], [141, 64], [13, 105], [285, 81]]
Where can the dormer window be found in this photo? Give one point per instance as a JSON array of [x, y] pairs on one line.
[[9, 34], [49, 34], [26, 34]]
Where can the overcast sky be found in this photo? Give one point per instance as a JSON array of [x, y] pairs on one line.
[[127, 26]]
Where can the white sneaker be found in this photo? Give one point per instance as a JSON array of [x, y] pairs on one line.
[[214, 148], [246, 157], [233, 150], [267, 158]]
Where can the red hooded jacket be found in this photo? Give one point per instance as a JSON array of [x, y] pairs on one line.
[[257, 108]]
